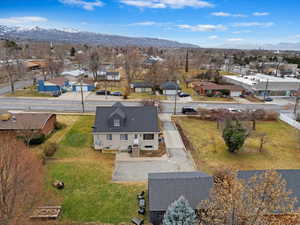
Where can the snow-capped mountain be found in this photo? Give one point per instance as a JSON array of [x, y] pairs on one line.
[[74, 36]]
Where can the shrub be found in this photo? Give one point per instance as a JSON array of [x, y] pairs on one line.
[[271, 115], [234, 135], [58, 125], [38, 139], [50, 149]]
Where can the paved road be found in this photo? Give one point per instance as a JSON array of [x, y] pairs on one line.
[[64, 105], [18, 85]]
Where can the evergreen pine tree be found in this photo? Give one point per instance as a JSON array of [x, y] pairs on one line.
[[180, 213]]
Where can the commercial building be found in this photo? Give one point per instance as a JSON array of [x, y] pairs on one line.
[[261, 84]]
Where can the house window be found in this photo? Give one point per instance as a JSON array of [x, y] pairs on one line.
[[136, 136], [123, 137], [148, 146], [148, 136], [116, 122], [109, 137]]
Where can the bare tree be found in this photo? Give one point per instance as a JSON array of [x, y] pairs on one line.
[[94, 64], [20, 180], [132, 66], [247, 202]]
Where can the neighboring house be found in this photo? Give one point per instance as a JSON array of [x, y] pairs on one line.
[[53, 85], [120, 127], [165, 188], [109, 76], [170, 88], [85, 85], [35, 64], [42, 123], [142, 87], [206, 88], [73, 75]]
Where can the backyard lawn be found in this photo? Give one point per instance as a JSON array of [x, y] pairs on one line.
[[28, 92], [89, 194], [281, 150]]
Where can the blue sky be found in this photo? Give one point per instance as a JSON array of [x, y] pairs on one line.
[[203, 22]]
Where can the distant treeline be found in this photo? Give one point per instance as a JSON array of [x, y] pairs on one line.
[[293, 60]]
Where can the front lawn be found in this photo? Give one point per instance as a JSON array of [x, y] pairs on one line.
[[89, 194], [197, 97], [146, 96], [28, 92], [281, 150]]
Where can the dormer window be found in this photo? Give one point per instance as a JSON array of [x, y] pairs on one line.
[[116, 122]]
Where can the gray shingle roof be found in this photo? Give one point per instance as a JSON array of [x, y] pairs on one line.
[[142, 85], [165, 188], [292, 178], [136, 118], [169, 85]]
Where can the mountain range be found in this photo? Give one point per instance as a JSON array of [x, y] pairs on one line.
[[283, 46], [80, 37]]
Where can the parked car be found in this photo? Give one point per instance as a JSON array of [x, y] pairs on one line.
[[234, 110], [116, 93], [56, 94], [268, 99], [188, 111], [102, 92], [182, 95]]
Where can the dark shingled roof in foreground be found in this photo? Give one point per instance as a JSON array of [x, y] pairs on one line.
[[137, 118], [165, 188]]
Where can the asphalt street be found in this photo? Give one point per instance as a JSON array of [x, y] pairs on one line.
[[61, 105]]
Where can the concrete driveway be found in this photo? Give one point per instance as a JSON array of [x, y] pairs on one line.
[[129, 169], [73, 96]]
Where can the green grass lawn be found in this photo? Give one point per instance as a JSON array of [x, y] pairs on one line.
[[134, 95], [28, 92], [281, 150], [89, 194]]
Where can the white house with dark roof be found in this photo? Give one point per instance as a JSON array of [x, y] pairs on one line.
[[119, 127]]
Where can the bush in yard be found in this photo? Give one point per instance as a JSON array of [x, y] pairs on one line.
[[271, 115], [38, 139], [180, 213], [234, 135], [50, 149]]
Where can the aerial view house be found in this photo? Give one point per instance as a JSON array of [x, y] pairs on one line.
[[170, 88], [53, 85], [120, 127], [109, 76], [165, 188], [42, 123], [142, 87], [206, 88], [85, 85]]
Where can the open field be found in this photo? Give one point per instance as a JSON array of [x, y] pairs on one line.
[[281, 150], [89, 194], [28, 92]]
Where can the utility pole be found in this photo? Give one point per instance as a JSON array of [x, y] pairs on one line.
[[187, 61], [82, 100], [175, 103], [267, 85]]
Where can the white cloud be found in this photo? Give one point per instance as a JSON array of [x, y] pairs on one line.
[[203, 27], [213, 37], [261, 14], [241, 31], [22, 20], [234, 39], [161, 4], [253, 24], [87, 5], [297, 36], [224, 14], [145, 23]]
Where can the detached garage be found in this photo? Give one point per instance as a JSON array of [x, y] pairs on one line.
[[170, 88], [86, 85]]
